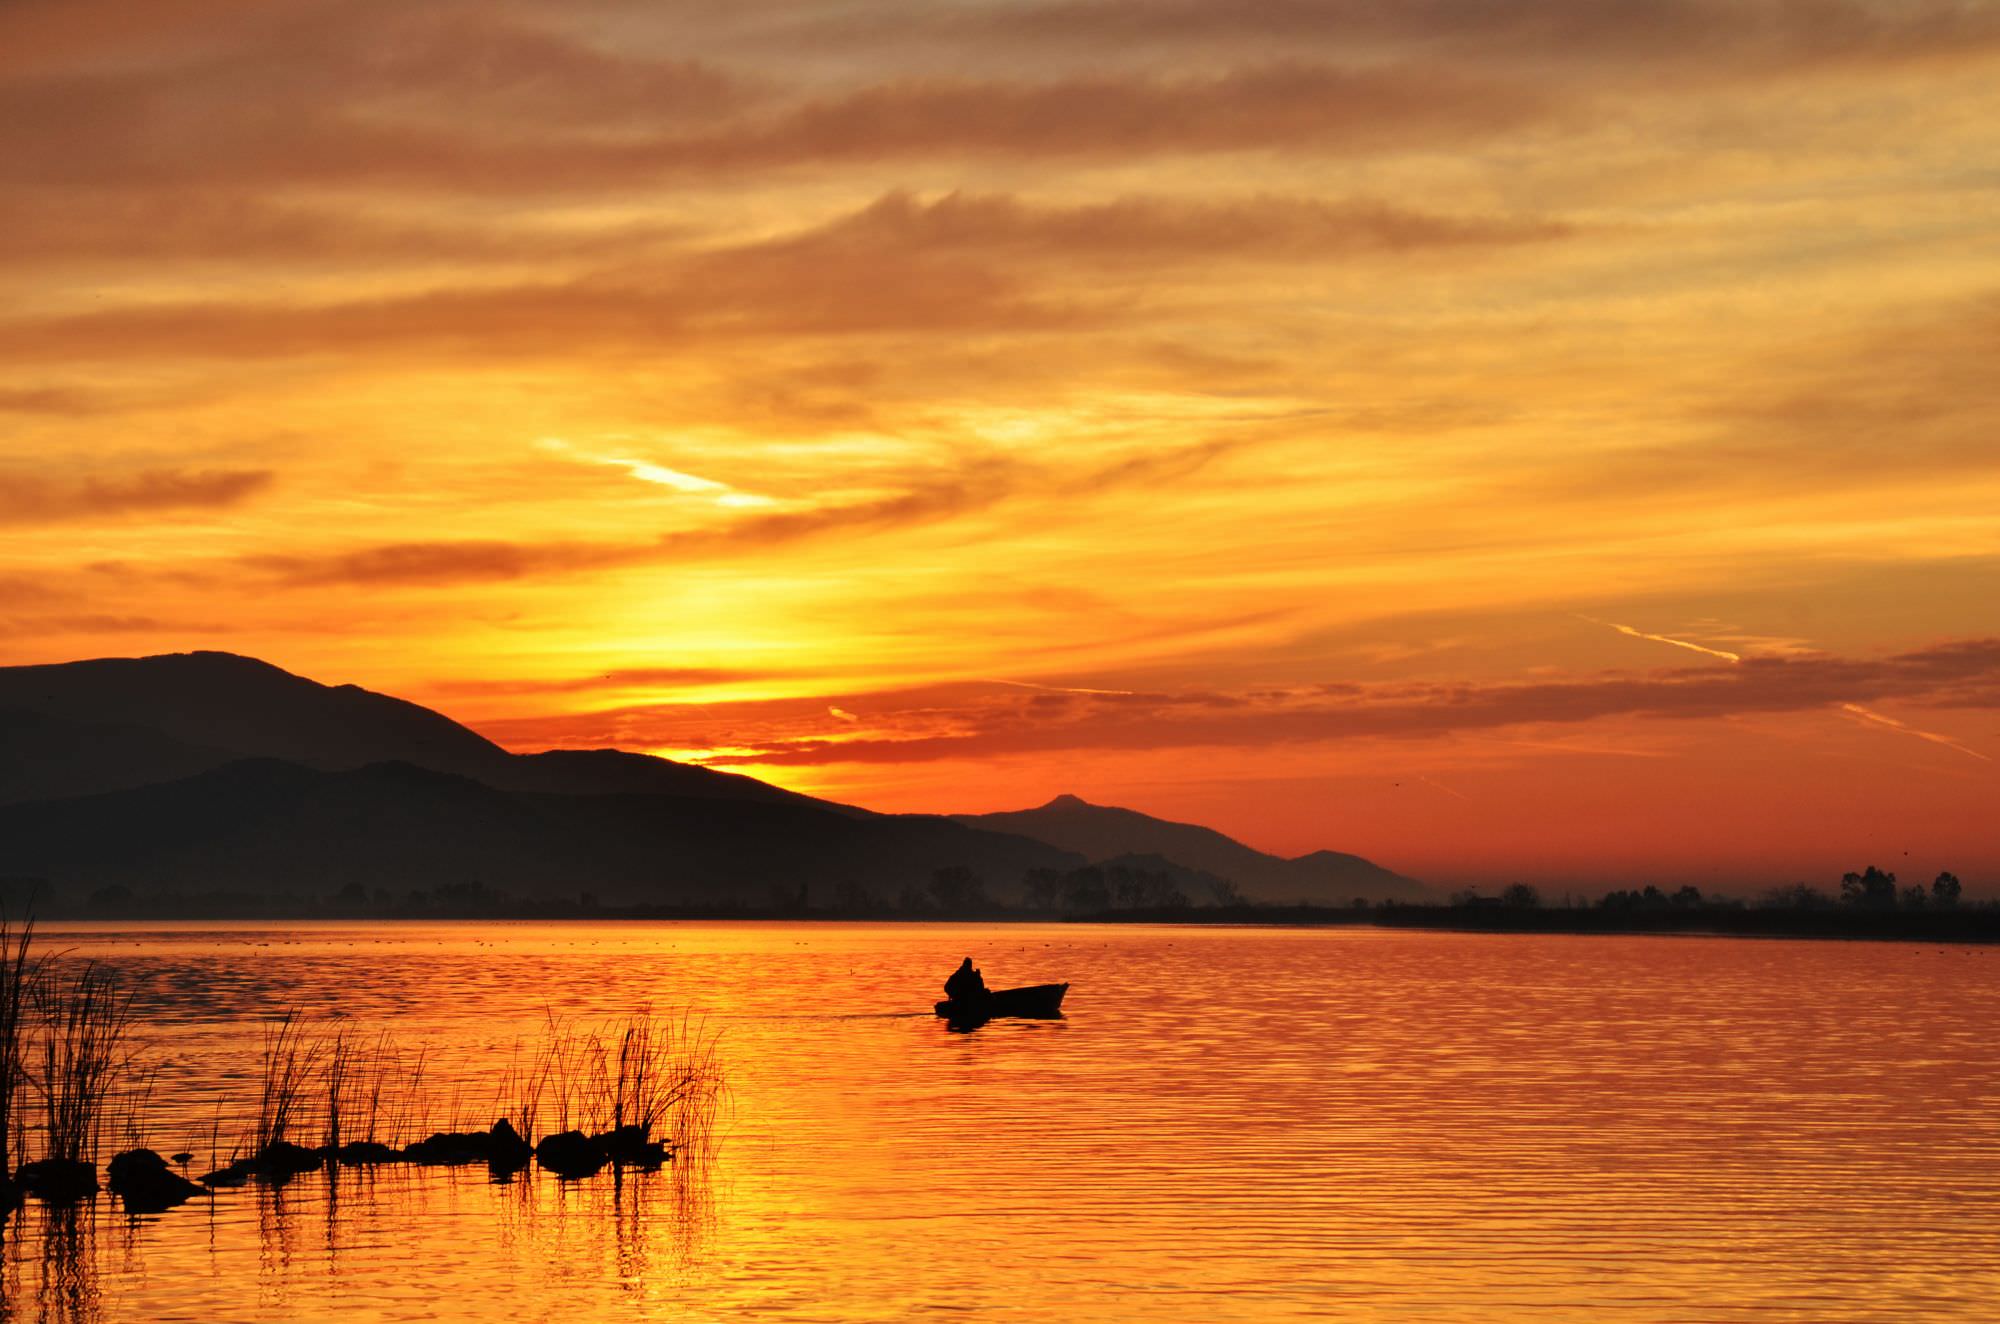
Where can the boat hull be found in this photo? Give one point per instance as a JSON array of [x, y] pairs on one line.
[[1035, 1002]]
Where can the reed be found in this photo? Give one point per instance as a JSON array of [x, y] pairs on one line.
[[18, 975], [662, 1074], [85, 1015], [291, 1060], [341, 1065], [522, 1089]]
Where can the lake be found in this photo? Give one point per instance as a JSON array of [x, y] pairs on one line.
[[1229, 1124]]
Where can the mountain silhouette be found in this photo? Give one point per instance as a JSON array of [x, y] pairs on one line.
[[198, 772], [1103, 833], [114, 723]]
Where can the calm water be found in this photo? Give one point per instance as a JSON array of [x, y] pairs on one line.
[[1230, 1124]]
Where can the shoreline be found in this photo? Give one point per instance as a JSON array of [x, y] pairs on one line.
[[1973, 925]]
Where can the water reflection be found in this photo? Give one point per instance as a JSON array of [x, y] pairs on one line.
[[1246, 1125]]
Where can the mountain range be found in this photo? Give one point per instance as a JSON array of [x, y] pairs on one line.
[[1107, 834], [201, 773]]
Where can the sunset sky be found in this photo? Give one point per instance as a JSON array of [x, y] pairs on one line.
[[1554, 440]]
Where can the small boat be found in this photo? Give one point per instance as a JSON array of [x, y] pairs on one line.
[[1036, 1002]]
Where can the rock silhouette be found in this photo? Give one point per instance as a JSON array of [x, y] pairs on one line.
[[142, 1179]]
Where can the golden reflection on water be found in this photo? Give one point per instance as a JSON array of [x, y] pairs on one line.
[[1230, 1124]]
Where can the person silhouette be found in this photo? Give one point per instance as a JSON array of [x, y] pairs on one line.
[[966, 983]]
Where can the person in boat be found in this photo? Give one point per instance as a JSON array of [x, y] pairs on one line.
[[966, 984]]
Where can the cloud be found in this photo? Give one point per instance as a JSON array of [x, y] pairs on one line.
[[1739, 37], [34, 499], [974, 723], [1270, 228], [50, 400], [977, 483], [962, 263], [626, 678], [159, 223], [418, 563], [168, 127]]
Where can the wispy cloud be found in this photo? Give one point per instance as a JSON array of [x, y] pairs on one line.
[[648, 472], [28, 498], [1692, 647], [1881, 719]]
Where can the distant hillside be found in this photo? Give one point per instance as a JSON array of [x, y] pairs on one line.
[[1102, 833], [114, 723], [276, 829], [200, 772]]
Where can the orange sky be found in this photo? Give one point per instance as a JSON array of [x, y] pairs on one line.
[[1551, 440]]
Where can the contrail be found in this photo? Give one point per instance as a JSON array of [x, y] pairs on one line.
[[1440, 786], [1724, 654], [1908, 730], [1054, 689]]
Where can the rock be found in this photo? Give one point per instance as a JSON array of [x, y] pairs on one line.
[[281, 1160], [509, 1152], [58, 1181], [182, 1158], [277, 1163], [147, 1185], [571, 1154], [450, 1149], [632, 1147], [233, 1174], [361, 1153]]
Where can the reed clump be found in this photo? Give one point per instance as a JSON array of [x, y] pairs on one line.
[[631, 1092], [19, 973]]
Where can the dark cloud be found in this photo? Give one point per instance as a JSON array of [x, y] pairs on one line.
[[437, 563], [143, 226], [1714, 36], [33, 498], [50, 399], [962, 263], [118, 131], [971, 724], [1151, 228]]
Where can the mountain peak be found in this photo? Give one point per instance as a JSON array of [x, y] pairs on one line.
[[1068, 801]]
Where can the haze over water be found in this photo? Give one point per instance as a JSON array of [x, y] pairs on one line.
[[1229, 1124]]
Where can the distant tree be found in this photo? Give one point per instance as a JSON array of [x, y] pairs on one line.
[[1687, 898], [1224, 892], [1520, 896], [958, 888], [854, 897], [115, 897], [913, 900], [1085, 890], [1913, 897], [1464, 897], [1143, 889], [1042, 889], [1359, 903], [1945, 890], [1873, 889], [1799, 896]]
